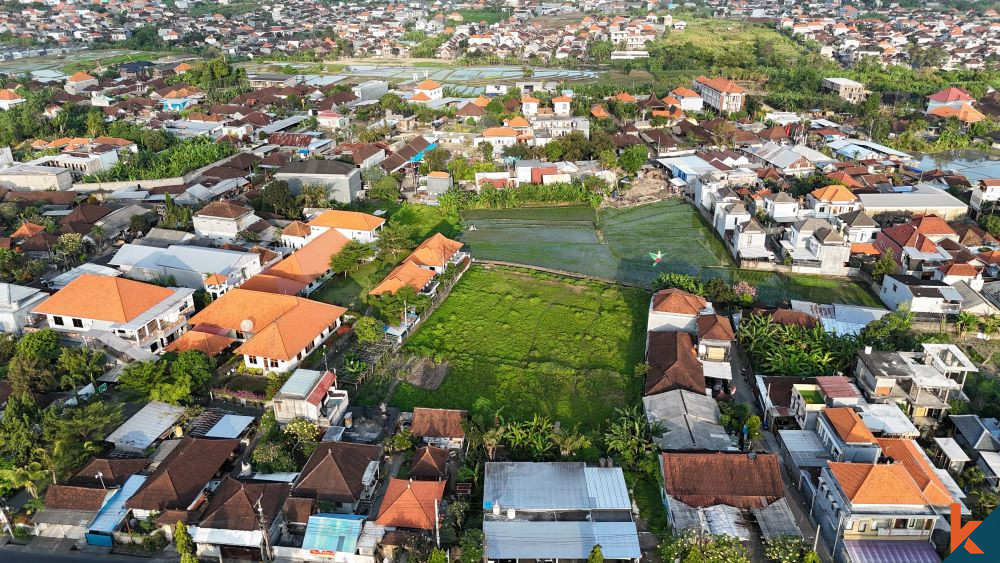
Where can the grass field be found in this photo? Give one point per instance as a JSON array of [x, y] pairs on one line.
[[726, 35], [489, 16], [615, 244], [531, 342]]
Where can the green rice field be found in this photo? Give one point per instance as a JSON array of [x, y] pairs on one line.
[[533, 342], [615, 244]]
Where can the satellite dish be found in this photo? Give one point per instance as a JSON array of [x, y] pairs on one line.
[[246, 325]]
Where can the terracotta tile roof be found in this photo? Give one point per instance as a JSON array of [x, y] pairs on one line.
[[436, 251], [499, 132], [673, 364], [282, 325], [296, 229], [334, 471], [429, 463], [951, 94], [437, 423], [114, 472], [961, 270], [406, 274], [932, 225], [428, 85], [907, 453], [207, 343], [80, 77], [715, 327], [834, 193], [625, 97], [350, 220], [867, 248], [599, 112], [849, 425], [112, 299], [682, 92], [27, 230], [865, 483], [410, 504], [274, 284], [964, 113], [181, 476], [720, 84], [234, 504], [9, 95], [223, 209], [529, 100], [71, 497], [732, 479], [518, 121], [678, 302], [420, 97], [312, 260]]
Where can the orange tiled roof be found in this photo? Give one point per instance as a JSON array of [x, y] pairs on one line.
[[410, 504], [599, 112], [216, 279], [80, 77], [868, 248], [435, 251], [518, 121], [312, 260], [296, 229], [678, 301], [849, 425], [209, 344], [865, 483], [9, 95], [499, 132], [905, 452], [282, 325], [105, 298], [428, 85], [420, 97], [834, 193], [350, 220], [27, 230], [406, 274], [964, 113]]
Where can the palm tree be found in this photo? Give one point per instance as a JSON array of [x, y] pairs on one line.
[[630, 435], [24, 477], [491, 441]]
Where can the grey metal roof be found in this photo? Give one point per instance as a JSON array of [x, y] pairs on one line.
[[230, 426], [300, 383], [974, 432], [560, 540], [11, 293], [199, 259], [951, 449], [691, 421], [553, 486], [804, 447], [776, 520], [145, 426]]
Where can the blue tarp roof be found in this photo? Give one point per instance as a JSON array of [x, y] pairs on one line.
[[113, 511], [420, 155], [333, 532]]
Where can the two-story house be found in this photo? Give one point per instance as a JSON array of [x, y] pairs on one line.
[[222, 220], [832, 201], [846, 436], [921, 383], [721, 94], [115, 309]]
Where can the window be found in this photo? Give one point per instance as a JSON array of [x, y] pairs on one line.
[[850, 525], [58, 321], [78, 323], [862, 526]]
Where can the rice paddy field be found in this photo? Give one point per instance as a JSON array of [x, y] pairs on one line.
[[615, 244], [533, 343]]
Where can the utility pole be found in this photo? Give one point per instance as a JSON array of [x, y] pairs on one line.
[[263, 529]]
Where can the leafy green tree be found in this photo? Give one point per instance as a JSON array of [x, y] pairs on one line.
[[277, 197], [966, 321], [630, 437], [28, 374], [437, 159], [183, 543], [486, 150], [401, 441], [368, 330], [18, 433], [632, 158], [76, 433], [437, 556], [891, 332], [596, 555], [886, 264], [395, 239], [385, 188], [25, 476], [155, 382], [350, 257], [83, 364], [195, 367], [175, 216], [302, 430], [42, 345]]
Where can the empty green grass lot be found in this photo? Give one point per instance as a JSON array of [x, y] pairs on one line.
[[530, 342]]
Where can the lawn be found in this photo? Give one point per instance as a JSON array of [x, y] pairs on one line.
[[133, 56], [475, 16], [425, 220], [615, 244], [533, 343]]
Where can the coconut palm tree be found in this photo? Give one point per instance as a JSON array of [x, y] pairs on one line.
[[966, 321], [25, 477], [492, 439]]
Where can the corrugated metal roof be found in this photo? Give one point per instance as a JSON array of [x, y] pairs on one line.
[[951, 449], [560, 540], [333, 532], [606, 487], [145, 426], [230, 426], [114, 510]]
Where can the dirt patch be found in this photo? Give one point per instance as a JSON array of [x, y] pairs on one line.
[[424, 373], [649, 187]]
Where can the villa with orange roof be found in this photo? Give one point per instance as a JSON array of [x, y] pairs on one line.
[[9, 99], [275, 331], [865, 508], [310, 264], [427, 91], [846, 436], [688, 98], [499, 137], [951, 97], [419, 269], [410, 504], [529, 105], [832, 201], [119, 312], [79, 82], [722, 94], [355, 225]]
